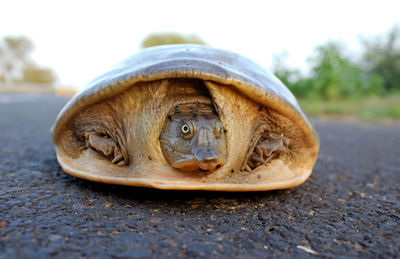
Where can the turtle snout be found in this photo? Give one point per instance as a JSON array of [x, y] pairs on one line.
[[205, 150], [207, 160]]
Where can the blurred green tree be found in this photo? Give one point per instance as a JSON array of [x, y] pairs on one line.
[[165, 38], [333, 75], [382, 57], [16, 64], [300, 85]]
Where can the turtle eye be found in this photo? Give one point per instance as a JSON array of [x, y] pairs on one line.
[[186, 130]]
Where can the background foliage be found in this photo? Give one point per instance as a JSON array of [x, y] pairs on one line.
[[17, 66], [336, 74]]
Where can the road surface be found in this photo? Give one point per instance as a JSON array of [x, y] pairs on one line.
[[350, 207]]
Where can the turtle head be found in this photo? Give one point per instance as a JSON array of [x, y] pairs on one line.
[[193, 138]]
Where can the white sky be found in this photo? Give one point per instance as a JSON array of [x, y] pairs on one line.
[[80, 39]]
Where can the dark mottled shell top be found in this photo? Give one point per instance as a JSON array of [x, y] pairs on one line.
[[189, 61]]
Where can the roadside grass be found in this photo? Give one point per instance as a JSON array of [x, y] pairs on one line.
[[366, 108]]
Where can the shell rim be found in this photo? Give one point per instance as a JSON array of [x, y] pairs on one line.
[[222, 187]]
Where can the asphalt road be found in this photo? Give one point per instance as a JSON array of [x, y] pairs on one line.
[[350, 207]]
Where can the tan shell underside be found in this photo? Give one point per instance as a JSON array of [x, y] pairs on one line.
[[142, 110]]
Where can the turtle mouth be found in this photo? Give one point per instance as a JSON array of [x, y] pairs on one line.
[[193, 165], [187, 165], [190, 163], [209, 164]]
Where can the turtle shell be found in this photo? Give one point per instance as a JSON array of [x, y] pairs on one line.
[[243, 93]]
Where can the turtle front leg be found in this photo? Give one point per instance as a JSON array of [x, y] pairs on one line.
[[269, 147], [105, 146]]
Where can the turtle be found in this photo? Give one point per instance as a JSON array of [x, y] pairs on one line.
[[186, 117]]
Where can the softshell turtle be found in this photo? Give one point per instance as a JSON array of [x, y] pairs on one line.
[[186, 117]]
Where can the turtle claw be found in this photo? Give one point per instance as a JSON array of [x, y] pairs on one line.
[[121, 163], [118, 158]]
